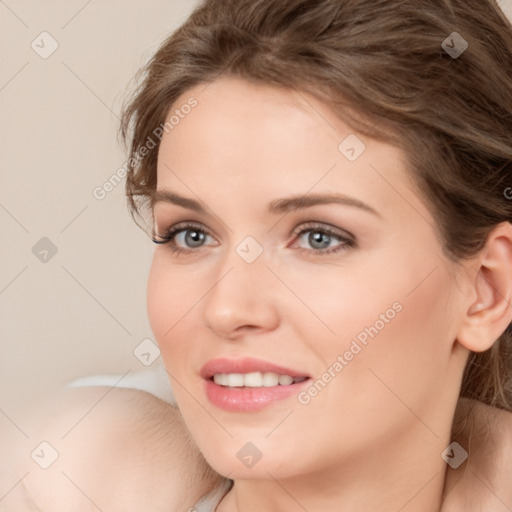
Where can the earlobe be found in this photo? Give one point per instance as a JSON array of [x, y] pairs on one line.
[[490, 312]]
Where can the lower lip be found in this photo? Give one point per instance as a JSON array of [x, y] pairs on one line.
[[249, 399]]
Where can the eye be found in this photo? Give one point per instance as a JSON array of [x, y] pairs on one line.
[[183, 237], [313, 238], [322, 239]]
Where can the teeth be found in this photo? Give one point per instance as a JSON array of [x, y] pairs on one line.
[[270, 379], [285, 380], [235, 380], [254, 379]]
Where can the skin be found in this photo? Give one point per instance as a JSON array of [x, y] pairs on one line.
[[119, 450], [128, 450], [373, 437]]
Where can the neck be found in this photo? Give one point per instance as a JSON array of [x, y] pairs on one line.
[[407, 475]]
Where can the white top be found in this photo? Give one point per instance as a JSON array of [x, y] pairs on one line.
[[155, 380], [209, 502]]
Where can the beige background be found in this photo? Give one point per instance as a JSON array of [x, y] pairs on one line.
[[83, 311]]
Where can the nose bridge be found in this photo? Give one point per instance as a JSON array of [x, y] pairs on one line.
[[240, 295], [241, 274]]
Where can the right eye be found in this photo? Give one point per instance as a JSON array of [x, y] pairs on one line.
[[183, 237]]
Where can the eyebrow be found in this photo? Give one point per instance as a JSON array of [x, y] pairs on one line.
[[283, 205]]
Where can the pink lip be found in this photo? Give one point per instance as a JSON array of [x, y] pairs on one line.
[[247, 399]]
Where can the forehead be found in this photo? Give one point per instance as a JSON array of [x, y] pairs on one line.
[[250, 139], [235, 118]]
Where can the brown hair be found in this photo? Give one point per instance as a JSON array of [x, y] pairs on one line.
[[381, 66]]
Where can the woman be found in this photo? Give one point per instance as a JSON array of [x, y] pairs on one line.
[[328, 187], [329, 196]]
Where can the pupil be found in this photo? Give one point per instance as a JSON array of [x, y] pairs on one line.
[[319, 240], [194, 238]]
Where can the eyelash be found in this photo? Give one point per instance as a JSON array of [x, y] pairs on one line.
[[170, 234]]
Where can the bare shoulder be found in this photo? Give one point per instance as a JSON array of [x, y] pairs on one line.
[[110, 448], [483, 481]]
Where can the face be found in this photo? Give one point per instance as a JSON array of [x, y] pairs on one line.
[[293, 254]]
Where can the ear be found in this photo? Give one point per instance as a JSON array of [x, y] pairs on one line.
[[489, 308]]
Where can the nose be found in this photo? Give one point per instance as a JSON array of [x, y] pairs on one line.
[[242, 300]]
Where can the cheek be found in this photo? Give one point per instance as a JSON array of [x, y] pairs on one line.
[[331, 306], [174, 302], [170, 297], [394, 338], [396, 315], [160, 298]]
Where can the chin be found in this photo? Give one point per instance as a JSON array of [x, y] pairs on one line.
[[244, 461]]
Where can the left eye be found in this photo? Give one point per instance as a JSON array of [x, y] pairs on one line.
[[317, 239], [322, 240]]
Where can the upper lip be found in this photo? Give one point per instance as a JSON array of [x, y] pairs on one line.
[[245, 365]]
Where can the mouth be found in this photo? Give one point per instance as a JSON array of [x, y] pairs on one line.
[[244, 385], [254, 380], [250, 372]]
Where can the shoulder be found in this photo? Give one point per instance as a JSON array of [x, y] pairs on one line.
[[119, 449], [483, 481]]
